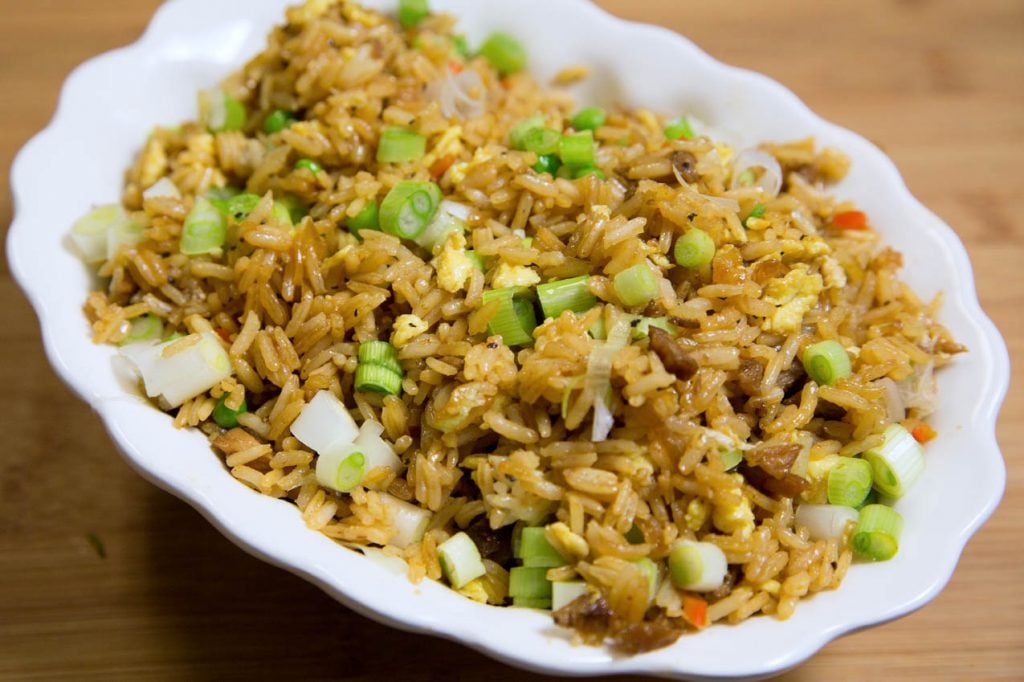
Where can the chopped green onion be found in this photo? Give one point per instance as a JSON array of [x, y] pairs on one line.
[[237, 206], [215, 194], [412, 12], [377, 379], [826, 362], [730, 458], [636, 285], [204, 231], [541, 141], [641, 327], [380, 353], [120, 234], [530, 582], [563, 593], [309, 164], [584, 171], [351, 471], [897, 463], [650, 571], [461, 46], [697, 566], [877, 535], [366, 219], [409, 207], [278, 120], [460, 560], [825, 521], [517, 135], [280, 213], [566, 294], [695, 249], [678, 128], [547, 163], [400, 144], [599, 329], [531, 603], [478, 260], [756, 212], [504, 52], [634, 535], [409, 521], [849, 482], [535, 550], [577, 149], [323, 422], [451, 217], [589, 118], [514, 320], [192, 369], [144, 328], [225, 417], [220, 111]]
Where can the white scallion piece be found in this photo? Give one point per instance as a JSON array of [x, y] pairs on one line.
[[343, 465], [564, 592], [324, 422], [409, 521], [825, 521], [180, 369], [744, 173], [697, 566], [460, 560], [89, 233], [897, 463], [164, 187], [451, 216]]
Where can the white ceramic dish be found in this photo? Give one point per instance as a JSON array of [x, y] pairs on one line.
[[109, 104]]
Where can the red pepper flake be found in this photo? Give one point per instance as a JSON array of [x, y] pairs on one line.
[[455, 67], [224, 333], [695, 610], [923, 433], [851, 220], [439, 167]]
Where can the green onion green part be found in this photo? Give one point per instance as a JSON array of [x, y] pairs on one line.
[[589, 118], [144, 328], [504, 53], [309, 164], [641, 327], [461, 46], [697, 566], [351, 471], [366, 219], [541, 141], [636, 285], [478, 260], [678, 128], [400, 144], [460, 560], [529, 603], [530, 582], [278, 120], [535, 550], [380, 353], [220, 111], [224, 416], [584, 171], [564, 592], [565, 294], [634, 535], [409, 207], [650, 571], [547, 163], [695, 249], [849, 482], [377, 379], [826, 362], [877, 534], [756, 212], [517, 135], [730, 458], [204, 231], [515, 320], [577, 149], [897, 463], [238, 206], [412, 12]]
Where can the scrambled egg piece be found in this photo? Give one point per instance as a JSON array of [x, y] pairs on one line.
[[733, 518], [475, 590], [452, 265], [406, 328], [696, 514], [833, 273], [154, 163], [794, 294], [514, 276], [449, 143]]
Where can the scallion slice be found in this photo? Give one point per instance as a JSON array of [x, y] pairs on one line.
[[565, 294], [147, 327], [636, 285], [224, 416], [278, 120], [409, 207], [730, 458], [650, 571], [366, 219], [825, 521], [324, 422], [535, 550], [238, 206], [377, 379], [530, 582], [504, 53], [517, 135], [308, 164], [564, 592], [877, 535], [897, 463], [380, 353], [695, 249], [697, 566], [204, 231], [409, 521], [451, 217], [514, 320], [412, 12], [849, 482], [577, 149], [589, 118], [678, 128], [641, 327], [89, 233], [531, 603], [547, 163], [541, 141], [756, 212], [400, 144], [460, 560], [826, 362], [221, 112]]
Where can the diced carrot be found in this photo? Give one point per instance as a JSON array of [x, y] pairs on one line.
[[224, 334], [695, 610], [455, 67], [923, 433], [851, 220], [438, 168]]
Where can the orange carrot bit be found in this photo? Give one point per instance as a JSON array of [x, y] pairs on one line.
[[455, 67], [224, 333], [695, 610], [923, 433], [851, 220], [438, 168]]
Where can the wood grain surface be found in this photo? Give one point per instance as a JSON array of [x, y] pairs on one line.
[[938, 84]]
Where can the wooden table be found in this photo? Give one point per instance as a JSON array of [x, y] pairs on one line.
[[939, 84]]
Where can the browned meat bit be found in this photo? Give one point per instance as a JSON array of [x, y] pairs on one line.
[[676, 360], [637, 638], [685, 164], [790, 485], [234, 441], [776, 460], [723, 590], [764, 270], [684, 323], [589, 615], [789, 377], [727, 266], [495, 545], [750, 374]]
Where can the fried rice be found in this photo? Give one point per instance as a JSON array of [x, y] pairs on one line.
[[489, 437]]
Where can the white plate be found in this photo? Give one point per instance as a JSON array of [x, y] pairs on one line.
[[109, 104]]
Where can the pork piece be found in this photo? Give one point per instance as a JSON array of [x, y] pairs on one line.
[[676, 360], [589, 615], [235, 440], [685, 164], [648, 635]]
